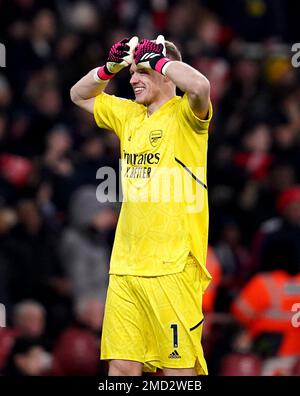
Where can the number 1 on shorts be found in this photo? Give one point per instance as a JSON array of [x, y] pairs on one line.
[[174, 327]]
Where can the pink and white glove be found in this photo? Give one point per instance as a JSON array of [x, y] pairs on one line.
[[152, 55], [120, 56]]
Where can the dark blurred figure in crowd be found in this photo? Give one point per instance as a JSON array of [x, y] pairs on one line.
[[284, 229], [28, 358], [58, 147], [86, 243], [76, 351], [58, 169], [49, 149], [34, 262], [245, 99], [232, 254], [234, 263], [92, 156], [28, 322], [29, 319], [7, 221]]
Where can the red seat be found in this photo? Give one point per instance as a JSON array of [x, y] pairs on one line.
[[237, 364], [296, 368], [7, 339], [76, 352]]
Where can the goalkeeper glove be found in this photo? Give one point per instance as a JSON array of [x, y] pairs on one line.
[[152, 55], [120, 56]]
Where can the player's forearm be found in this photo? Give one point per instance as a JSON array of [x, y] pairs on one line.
[[188, 80], [87, 87], [120, 56]]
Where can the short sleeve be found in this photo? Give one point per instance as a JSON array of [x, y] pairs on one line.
[[187, 116], [110, 112]]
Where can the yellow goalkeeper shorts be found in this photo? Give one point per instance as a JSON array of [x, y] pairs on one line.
[[156, 320]]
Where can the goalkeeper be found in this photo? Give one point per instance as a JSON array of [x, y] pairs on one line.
[[153, 316]]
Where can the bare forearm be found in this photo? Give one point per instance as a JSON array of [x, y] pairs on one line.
[[87, 87], [85, 91], [186, 78], [191, 81]]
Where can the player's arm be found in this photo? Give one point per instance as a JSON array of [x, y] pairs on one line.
[[195, 84], [149, 54], [83, 93]]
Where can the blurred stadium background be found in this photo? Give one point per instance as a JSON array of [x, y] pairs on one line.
[[55, 239]]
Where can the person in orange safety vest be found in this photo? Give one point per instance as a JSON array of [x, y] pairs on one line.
[[214, 267], [266, 305]]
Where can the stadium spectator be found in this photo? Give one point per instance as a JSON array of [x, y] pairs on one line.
[[49, 149], [76, 351], [28, 358], [34, 260], [283, 231], [85, 244], [28, 323], [264, 307]]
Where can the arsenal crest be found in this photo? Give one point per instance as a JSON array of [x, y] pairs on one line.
[[155, 136]]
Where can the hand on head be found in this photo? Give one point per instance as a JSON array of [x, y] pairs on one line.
[[147, 54], [121, 54], [150, 54]]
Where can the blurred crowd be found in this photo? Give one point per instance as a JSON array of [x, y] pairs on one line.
[[56, 238]]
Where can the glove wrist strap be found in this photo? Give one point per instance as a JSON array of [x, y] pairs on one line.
[[103, 74], [161, 65]]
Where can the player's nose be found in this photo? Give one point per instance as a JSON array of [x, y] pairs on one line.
[[134, 78]]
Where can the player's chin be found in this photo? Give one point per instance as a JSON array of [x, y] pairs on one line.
[[140, 99]]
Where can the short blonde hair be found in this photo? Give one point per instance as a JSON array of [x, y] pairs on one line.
[[172, 51]]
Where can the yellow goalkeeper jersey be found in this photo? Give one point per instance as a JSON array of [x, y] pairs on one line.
[[164, 215]]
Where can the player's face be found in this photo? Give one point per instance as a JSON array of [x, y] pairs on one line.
[[146, 84]]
